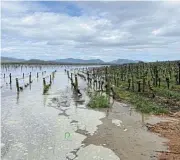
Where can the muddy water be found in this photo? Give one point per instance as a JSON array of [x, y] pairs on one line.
[[60, 126]]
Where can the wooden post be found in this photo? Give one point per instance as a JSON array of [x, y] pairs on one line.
[[76, 82], [50, 79], [10, 81], [156, 76], [99, 82], [114, 76], [30, 78], [68, 73], [17, 84], [90, 80], [71, 76], [88, 76], [23, 75], [37, 75], [93, 73], [106, 72], [129, 83], [154, 81], [144, 82], [167, 81], [44, 82], [4, 75], [72, 81], [159, 80], [94, 84], [179, 72], [139, 86], [176, 78]]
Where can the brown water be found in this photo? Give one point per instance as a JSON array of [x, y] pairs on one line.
[[60, 126]]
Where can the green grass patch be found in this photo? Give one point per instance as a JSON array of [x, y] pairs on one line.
[[167, 93], [141, 103], [46, 88], [98, 100]]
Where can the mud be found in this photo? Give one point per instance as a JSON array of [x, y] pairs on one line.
[[171, 131]]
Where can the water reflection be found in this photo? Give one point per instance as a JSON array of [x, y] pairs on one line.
[[17, 98], [10, 86], [143, 119]]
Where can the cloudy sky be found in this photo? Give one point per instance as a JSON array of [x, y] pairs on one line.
[[147, 31]]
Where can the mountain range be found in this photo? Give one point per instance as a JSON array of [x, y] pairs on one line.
[[69, 60]]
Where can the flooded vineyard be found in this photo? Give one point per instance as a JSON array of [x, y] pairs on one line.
[[45, 116]]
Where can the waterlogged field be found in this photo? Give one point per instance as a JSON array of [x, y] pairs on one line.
[[60, 125], [33, 124]]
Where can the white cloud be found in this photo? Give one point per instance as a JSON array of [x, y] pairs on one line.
[[106, 30]]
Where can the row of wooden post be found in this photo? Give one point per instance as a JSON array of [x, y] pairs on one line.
[[50, 82], [10, 77], [17, 81], [75, 84], [44, 81]]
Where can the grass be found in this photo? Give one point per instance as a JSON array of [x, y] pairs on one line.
[[141, 103], [168, 93], [98, 101]]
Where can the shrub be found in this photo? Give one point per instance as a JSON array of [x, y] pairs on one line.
[[98, 101]]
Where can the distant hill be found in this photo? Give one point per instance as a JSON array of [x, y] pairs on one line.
[[35, 61], [72, 60], [9, 59], [123, 61], [69, 60]]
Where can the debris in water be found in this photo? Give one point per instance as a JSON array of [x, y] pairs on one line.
[[125, 130], [117, 122], [49, 148]]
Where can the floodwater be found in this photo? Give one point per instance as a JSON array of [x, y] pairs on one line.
[[59, 126]]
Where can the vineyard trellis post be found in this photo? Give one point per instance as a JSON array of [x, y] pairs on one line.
[[179, 71], [44, 82], [17, 84], [10, 80]]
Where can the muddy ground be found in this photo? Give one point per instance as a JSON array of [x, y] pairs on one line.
[[171, 131]]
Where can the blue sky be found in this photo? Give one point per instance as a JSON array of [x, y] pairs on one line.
[[147, 31]]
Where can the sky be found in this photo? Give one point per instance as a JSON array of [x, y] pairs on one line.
[[136, 30]]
